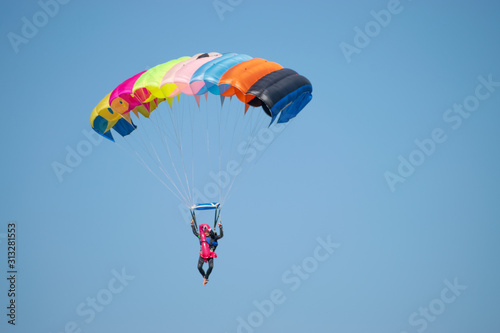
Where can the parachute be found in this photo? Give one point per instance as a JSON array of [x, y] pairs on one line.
[[221, 112]]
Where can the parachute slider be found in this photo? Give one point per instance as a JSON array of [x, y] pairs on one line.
[[206, 206]]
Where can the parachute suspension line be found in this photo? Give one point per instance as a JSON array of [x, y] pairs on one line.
[[219, 180], [221, 145], [217, 215], [163, 139], [193, 216], [141, 161], [234, 127], [153, 150], [233, 118], [191, 196], [144, 144], [248, 129], [192, 153], [234, 122], [246, 125], [229, 108], [207, 124], [190, 115], [161, 166], [276, 135], [240, 162], [179, 140], [251, 141], [162, 127], [159, 162], [206, 130]]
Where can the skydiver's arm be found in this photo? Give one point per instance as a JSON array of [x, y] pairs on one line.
[[221, 232], [195, 232]]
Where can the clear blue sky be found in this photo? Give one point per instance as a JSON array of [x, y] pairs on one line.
[[416, 253]]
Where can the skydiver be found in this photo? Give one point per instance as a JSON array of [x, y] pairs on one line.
[[212, 238]]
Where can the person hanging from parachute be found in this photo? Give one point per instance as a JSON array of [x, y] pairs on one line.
[[157, 143], [208, 243]]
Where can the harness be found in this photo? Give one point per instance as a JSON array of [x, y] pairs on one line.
[[207, 251], [212, 243]]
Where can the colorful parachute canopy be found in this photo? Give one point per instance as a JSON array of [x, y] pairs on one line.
[[281, 92]]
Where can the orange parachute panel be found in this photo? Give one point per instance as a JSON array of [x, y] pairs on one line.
[[242, 76]]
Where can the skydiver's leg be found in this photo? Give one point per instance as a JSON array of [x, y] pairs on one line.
[[200, 266], [210, 267]]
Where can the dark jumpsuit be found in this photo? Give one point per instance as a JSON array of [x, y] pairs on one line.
[[212, 243]]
